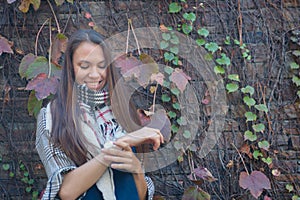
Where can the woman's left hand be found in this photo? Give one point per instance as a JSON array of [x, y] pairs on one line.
[[122, 158]]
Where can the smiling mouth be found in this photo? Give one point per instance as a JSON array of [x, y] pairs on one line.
[[93, 85]]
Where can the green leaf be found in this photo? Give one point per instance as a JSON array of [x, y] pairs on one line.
[[174, 50], [168, 56], [166, 36], [295, 197], [168, 69], [174, 7], [181, 121], [219, 70], [195, 193], [261, 107], [296, 80], [289, 187], [174, 128], [172, 114], [200, 41], [234, 77], [256, 154], [298, 93], [267, 160], [232, 87], [187, 29], [26, 174], [224, 60], [165, 98], [166, 84], [212, 47], [248, 89], [28, 189], [35, 194], [193, 147], [25, 179], [258, 127], [296, 53], [294, 65], [22, 167], [175, 60], [249, 101], [248, 135], [208, 57], [250, 116], [34, 105], [70, 1], [264, 145], [178, 145], [5, 167], [203, 32], [227, 40], [187, 134], [236, 42], [189, 16], [175, 91], [176, 106], [31, 181], [11, 174], [174, 39], [163, 44]]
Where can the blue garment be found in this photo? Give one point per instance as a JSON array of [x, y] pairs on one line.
[[125, 188]]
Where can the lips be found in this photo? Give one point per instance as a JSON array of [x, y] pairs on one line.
[[94, 85]]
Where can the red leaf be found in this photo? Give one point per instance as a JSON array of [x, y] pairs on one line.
[[87, 15], [149, 68], [129, 66], [245, 148], [159, 78], [59, 45], [43, 85], [195, 193], [180, 79], [158, 120], [267, 198], [204, 173], [5, 45], [25, 62], [255, 182]]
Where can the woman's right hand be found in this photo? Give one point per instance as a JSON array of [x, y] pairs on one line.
[[144, 135]]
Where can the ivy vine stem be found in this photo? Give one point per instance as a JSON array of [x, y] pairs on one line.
[[37, 36], [50, 49], [241, 158], [55, 18]]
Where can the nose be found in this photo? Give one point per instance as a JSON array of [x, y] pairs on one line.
[[94, 73]]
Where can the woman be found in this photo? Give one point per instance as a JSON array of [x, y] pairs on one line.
[[74, 129]]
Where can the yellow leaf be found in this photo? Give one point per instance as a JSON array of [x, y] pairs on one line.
[[152, 89], [59, 2], [36, 4], [24, 7], [70, 1]]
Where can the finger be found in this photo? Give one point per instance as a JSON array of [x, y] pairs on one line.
[[117, 159], [123, 145]]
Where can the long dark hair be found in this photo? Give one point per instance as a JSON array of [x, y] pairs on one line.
[[66, 132]]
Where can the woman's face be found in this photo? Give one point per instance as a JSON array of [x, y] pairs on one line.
[[90, 66]]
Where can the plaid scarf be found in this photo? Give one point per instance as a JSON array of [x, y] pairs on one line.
[[91, 97]]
